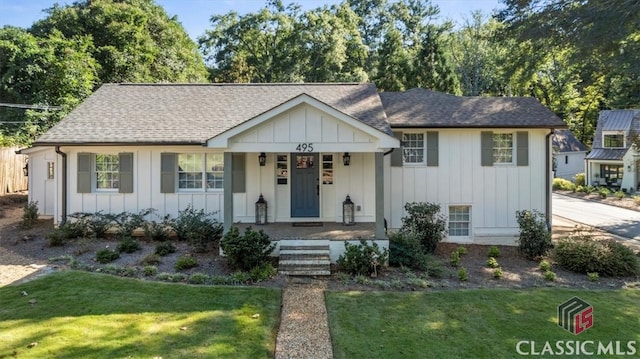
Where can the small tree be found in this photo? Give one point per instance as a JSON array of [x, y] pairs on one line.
[[535, 238], [425, 222], [248, 251]]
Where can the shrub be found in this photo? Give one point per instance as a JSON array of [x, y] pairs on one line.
[[128, 245], [550, 276], [425, 222], [497, 273], [29, 215], [359, 259], [535, 238], [405, 250], [128, 222], [454, 258], [619, 194], [150, 259], [96, 223], [493, 251], [200, 229], [589, 189], [636, 199], [149, 270], [106, 256], [178, 277], [461, 251], [582, 253], [198, 278], [262, 272], [544, 265], [165, 248], [579, 179], [603, 192], [593, 276], [158, 231], [463, 276], [185, 262], [492, 263], [245, 252], [239, 278], [164, 276], [65, 232], [563, 184]]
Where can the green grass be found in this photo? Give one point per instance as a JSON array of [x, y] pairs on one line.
[[470, 324], [84, 315]]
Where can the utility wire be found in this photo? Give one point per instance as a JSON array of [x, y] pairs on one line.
[[32, 107]]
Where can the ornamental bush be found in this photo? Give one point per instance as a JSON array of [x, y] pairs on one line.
[[405, 250], [200, 229], [248, 251], [535, 237], [563, 184], [425, 222], [360, 259]]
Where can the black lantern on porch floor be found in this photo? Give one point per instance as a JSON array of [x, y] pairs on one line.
[[261, 210], [348, 212]]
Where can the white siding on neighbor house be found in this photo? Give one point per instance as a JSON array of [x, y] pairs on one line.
[[569, 164], [494, 193], [41, 188], [146, 186]]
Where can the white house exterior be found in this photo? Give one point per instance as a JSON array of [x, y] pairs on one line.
[[568, 155], [613, 161], [130, 147]]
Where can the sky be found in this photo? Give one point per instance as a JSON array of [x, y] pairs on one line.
[[195, 14]]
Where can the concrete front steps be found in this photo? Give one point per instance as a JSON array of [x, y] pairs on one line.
[[305, 259]]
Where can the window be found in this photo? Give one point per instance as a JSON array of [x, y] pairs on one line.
[[459, 220], [193, 168], [327, 169], [413, 147], [611, 173], [107, 171], [282, 169], [566, 160], [502, 148], [613, 140], [50, 170]]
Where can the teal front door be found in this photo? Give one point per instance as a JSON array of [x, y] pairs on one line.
[[305, 185]]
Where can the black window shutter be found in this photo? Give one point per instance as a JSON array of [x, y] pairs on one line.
[[486, 143], [84, 172], [168, 172], [432, 149], [522, 144], [396, 155], [238, 173], [126, 172]]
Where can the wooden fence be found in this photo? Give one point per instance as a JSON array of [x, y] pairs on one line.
[[12, 178]]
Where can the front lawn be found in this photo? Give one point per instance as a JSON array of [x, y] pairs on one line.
[[475, 324], [82, 315]]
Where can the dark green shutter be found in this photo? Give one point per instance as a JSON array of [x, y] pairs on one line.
[[522, 144], [238, 172], [432, 149], [168, 172], [84, 172], [396, 155], [486, 143], [126, 172]]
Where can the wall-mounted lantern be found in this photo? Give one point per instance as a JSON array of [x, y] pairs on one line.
[[261, 210], [25, 169], [262, 159], [348, 212], [346, 159], [628, 168]]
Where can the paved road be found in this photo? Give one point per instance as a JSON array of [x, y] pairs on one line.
[[616, 220]]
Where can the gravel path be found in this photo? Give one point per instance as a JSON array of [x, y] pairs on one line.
[[304, 329]]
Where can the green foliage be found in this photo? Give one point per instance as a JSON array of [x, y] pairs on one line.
[[582, 253], [359, 259], [579, 179], [150, 259], [405, 250], [65, 232], [580, 189], [185, 262], [165, 248], [492, 263], [461, 250], [603, 192], [619, 194], [106, 256], [262, 272], [200, 229], [150, 270], [636, 199], [544, 265], [128, 245], [463, 275], [198, 278], [497, 273], [550, 276], [454, 258], [493, 251], [29, 215], [593, 276], [245, 252], [589, 189], [563, 184], [158, 231], [425, 222], [128, 222], [535, 238]]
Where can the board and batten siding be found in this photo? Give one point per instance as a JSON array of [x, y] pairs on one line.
[[494, 192], [146, 185]]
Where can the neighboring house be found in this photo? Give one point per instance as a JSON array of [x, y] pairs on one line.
[[613, 161], [304, 148], [568, 155]]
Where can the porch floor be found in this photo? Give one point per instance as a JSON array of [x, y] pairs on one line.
[[328, 230]]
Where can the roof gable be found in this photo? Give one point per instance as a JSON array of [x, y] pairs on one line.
[[565, 141], [616, 121]]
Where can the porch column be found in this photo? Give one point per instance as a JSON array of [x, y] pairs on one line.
[[228, 191], [379, 174]]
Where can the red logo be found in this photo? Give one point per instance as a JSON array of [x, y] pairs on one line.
[[575, 315]]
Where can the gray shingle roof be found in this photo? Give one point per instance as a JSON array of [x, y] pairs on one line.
[[425, 108], [606, 154], [565, 141], [615, 120], [190, 113]]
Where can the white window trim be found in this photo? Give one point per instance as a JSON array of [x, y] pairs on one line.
[[424, 149], [94, 173], [514, 145], [470, 222], [609, 133], [203, 171]]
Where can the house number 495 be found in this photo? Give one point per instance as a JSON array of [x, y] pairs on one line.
[[304, 147]]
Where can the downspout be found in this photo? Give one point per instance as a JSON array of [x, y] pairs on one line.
[[548, 180], [64, 184]]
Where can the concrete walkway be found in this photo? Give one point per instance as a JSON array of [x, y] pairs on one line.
[[304, 328]]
